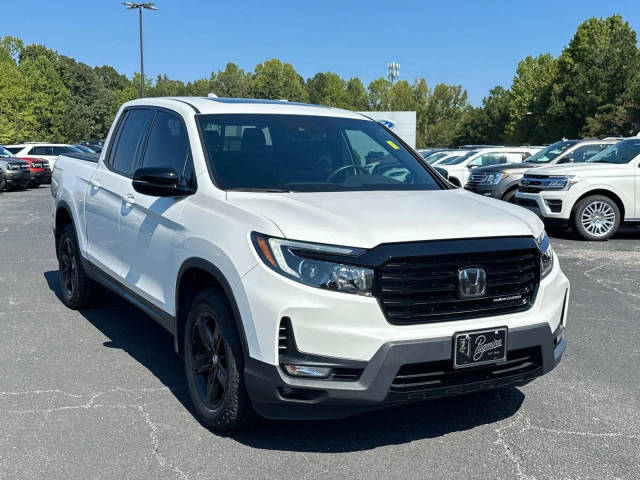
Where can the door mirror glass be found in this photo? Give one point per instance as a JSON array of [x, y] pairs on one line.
[[158, 182]]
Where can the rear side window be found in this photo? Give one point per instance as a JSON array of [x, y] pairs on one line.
[[168, 146], [41, 150], [130, 139], [584, 153], [60, 150], [14, 150]]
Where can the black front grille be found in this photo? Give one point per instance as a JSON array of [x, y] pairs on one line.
[[526, 202], [423, 289], [524, 189], [436, 375]]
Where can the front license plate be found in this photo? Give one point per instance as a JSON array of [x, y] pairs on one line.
[[479, 347]]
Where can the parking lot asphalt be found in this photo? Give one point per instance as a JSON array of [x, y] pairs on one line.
[[100, 393]]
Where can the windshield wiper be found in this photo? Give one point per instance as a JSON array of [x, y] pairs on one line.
[[263, 190]]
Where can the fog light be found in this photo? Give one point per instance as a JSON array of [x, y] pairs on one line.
[[307, 371]]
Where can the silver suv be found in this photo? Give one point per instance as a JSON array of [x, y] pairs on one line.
[[501, 181]]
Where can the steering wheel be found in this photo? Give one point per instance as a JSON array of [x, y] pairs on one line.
[[346, 167]]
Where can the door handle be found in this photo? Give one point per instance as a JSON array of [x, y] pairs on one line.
[[129, 199], [95, 184]]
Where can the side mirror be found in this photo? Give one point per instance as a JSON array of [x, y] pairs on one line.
[[442, 171], [471, 165], [158, 182], [566, 160]]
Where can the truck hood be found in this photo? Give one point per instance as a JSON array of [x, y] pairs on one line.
[[367, 219], [583, 169], [503, 167]]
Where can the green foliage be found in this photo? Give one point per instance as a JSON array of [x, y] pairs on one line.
[[444, 113], [530, 99], [591, 89], [486, 125], [277, 81], [594, 72]]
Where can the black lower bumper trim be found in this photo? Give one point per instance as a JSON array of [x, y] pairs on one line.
[[277, 396]]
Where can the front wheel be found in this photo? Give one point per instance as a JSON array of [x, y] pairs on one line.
[[596, 218], [214, 365]]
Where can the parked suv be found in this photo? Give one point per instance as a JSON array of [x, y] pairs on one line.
[[15, 171], [594, 197], [308, 263], [501, 181], [460, 168], [47, 151]]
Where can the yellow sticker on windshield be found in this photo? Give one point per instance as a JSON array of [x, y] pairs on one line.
[[393, 145]]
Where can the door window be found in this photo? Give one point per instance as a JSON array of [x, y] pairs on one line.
[[129, 141], [40, 150], [584, 153], [59, 150], [168, 146]]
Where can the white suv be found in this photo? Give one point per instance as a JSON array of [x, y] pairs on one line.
[[594, 197], [306, 260], [46, 151], [460, 168]]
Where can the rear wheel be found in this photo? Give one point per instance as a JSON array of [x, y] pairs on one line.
[[76, 288], [214, 365], [596, 218]]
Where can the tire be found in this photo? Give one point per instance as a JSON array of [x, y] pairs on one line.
[[214, 365], [596, 218], [510, 196], [77, 290]]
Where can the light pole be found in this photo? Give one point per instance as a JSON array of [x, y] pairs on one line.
[[140, 6]]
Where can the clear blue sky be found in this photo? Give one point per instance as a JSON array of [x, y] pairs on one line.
[[473, 43]]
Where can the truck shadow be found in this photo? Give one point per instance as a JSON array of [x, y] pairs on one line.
[[146, 342]]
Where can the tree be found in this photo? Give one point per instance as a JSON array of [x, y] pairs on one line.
[[485, 125], [401, 96], [328, 89], [530, 99], [421, 95], [230, 82], [444, 112], [356, 94], [380, 94], [276, 80], [594, 71]]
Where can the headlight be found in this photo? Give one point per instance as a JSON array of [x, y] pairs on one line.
[[296, 261], [546, 254], [496, 178], [550, 183]]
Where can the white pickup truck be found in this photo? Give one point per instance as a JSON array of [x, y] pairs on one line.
[[594, 197], [307, 262]]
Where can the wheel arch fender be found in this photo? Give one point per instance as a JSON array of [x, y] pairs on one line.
[[213, 276], [605, 192]]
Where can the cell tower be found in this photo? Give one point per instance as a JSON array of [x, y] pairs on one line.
[[393, 71]]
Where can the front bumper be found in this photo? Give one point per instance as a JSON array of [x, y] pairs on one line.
[[553, 207], [275, 395], [17, 179], [40, 177], [486, 190]]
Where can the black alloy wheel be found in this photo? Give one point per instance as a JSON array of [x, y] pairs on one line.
[[209, 357]]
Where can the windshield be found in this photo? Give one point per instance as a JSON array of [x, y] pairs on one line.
[[552, 151], [82, 148], [621, 152], [459, 160], [447, 160], [5, 153], [308, 154], [72, 148], [436, 156]]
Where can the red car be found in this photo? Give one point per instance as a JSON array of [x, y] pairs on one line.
[[39, 169]]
